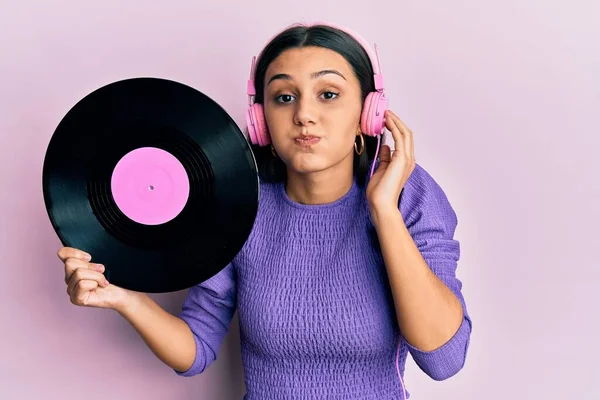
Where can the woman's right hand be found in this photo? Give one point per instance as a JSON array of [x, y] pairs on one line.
[[87, 285]]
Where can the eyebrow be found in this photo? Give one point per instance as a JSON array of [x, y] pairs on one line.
[[314, 75]]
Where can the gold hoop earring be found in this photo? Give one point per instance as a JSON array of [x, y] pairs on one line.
[[273, 151], [362, 145]]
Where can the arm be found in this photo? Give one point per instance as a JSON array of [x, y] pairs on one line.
[[187, 343], [208, 311], [169, 338], [421, 255]]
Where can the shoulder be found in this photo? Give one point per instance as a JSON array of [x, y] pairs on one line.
[[421, 184], [269, 198], [423, 195], [267, 191], [268, 210]]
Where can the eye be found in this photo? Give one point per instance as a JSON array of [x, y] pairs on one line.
[[284, 98], [329, 95]]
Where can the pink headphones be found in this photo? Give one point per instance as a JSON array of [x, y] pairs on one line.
[[372, 121]]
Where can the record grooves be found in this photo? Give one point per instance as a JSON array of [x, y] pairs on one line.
[[201, 180], [155, 180]]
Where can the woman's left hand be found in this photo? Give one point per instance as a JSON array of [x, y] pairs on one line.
[[383, 190]]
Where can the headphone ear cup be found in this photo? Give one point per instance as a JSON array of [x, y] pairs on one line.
[[257, 126], [262, 133], [250, 125], [372, 120]]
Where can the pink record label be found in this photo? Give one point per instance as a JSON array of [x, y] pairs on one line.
[[150, 186]]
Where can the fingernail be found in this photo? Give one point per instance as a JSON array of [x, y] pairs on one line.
[[105, 282], [87, 257]]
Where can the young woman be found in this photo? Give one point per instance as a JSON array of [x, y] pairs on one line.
[[351, 263]]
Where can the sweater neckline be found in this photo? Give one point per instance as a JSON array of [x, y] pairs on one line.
[[348, 196]]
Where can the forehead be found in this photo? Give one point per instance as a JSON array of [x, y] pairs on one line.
[[306, 60]]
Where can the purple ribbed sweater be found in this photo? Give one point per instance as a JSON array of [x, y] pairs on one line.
[[316, 314]]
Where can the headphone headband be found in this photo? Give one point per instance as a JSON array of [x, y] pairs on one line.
[[373, 55]]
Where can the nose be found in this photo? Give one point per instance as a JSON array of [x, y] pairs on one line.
[[306, 111]]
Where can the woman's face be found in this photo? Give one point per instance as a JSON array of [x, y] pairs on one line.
[[312, 104]]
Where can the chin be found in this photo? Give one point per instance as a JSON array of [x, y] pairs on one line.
[[308, 163]]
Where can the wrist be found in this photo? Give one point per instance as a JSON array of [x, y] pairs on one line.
[[380, 214], [129, 304]]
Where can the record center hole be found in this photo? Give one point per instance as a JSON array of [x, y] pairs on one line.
[[150, 187]]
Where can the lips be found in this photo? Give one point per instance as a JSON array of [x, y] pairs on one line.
[[307, 140]]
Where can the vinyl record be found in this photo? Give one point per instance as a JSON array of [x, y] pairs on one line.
[[153, 179]]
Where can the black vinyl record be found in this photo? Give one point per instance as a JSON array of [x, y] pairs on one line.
[[154, 180]]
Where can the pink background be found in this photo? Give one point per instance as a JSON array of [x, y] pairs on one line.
[[503, 97]]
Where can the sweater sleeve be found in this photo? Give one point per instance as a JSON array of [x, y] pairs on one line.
[[208, 310], [432, 222]]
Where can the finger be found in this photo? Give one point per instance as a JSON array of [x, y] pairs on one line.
[[79, 279], [72, 264], [401, 125], [82, 292], [70, 252], [407, 135], [77, 268], [385, 153], [396, 134], [385, 156]]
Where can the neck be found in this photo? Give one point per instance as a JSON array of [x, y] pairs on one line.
[[321, 187]]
